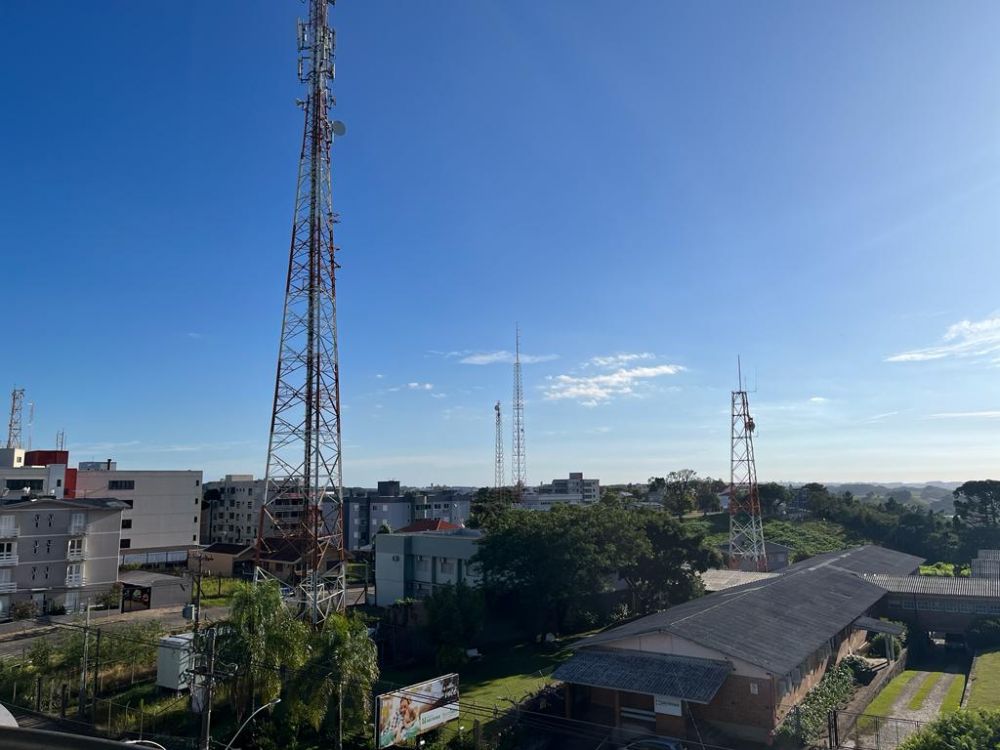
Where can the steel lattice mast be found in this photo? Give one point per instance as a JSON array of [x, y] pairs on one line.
[[14, 423], [304, 471], [746, 529], [518, 458], [498, 477]]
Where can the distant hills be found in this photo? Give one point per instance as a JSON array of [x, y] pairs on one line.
[[934, 495]]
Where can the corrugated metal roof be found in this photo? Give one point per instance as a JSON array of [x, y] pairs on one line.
[[937, 585], [775, 623], [867, 559], [685, 677], [718, 580], [879, 626]]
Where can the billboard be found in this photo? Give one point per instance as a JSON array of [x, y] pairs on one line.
[[409, 712]]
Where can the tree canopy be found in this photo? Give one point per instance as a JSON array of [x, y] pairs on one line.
[[962, 730]]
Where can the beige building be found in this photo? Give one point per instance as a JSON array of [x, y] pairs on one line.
[[163, 517]]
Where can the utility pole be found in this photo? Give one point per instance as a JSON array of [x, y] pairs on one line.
[[81, 700], [97, 672], [208, 686]]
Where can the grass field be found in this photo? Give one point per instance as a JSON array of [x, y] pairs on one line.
[[953, 698], [986, 686], [883, 702], [216, 592], [917, 701]]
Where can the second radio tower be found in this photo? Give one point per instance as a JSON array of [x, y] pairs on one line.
[[518, 467], [304, 472], [498, 478], [746, 528]]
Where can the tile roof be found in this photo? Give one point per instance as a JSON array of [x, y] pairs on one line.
[[775, 623], [689, 678], [428, 524], [937, 585]]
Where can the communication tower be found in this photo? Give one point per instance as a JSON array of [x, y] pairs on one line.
[[498, 455], [518, 454], [14, 424], [746, 530], [302, 510]]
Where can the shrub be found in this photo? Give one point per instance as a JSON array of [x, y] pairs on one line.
[[883, 643], [860, 668], [807, 721], [112, 598], [24, 609], [985, 633]]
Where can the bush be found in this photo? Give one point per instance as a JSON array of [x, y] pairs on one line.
[[112, 598], [24, 609], [807, 721], [985, 633], [860, 668], [962, 729], [882, 644]]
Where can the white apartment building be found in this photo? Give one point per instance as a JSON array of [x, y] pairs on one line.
[[58, 553], [231, 511], [163, 517], [572, 491], [19, 477]]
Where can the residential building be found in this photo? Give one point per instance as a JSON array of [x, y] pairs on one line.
[[411, 564], [34, 473], [987, 564], [163, 519], [572, 491], [58, 553], [223, 560], [738, 660], [366, 511]]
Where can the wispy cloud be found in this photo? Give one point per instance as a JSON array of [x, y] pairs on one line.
[[420, 386], [880, 417], [379, 376], [596, 389], [965, 339], [966, 415], [619, 360], [501, 356], [193, 335], [818, 400], [439, 395]]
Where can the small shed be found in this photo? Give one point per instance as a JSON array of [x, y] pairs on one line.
[[143, 589], [222, 559]]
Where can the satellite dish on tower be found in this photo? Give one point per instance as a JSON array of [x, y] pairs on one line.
[[338, 128]]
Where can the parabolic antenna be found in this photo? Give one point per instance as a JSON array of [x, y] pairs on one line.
[[338, 128]]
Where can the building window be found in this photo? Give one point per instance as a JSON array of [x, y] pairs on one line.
[[34, 551], [194, 537], [48, 546], [50, 520], [753, 688], [34, 571], [121, 484], [197, 483], [196, 519], [36, 520], [20, 484], [58, 483], [7, 550], [126, 523], [125, 543], [75, 548]]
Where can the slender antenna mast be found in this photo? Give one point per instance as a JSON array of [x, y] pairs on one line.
[[304, 468], [61, 440], [31, 422], [498, 477], [518, 456], [14, 424], [746, 528]]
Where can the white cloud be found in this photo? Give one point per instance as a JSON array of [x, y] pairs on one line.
[[420, 386], [595, 389], [619, 360], [818, 400], [439, 395], [880, 417], [501, 356], [379, 375], [194, 335], [966, 415], [963, 339]]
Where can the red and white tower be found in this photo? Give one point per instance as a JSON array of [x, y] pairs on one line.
[[746, 528]]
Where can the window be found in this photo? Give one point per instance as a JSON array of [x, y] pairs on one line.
[[196, 519], [34, 571], [46, 572], [75, 548], [125, 543], [121, 484], [34, 551], [50, 520], [196, 501], [194, 537], [20, 484], [753, 688], [7, 550], [48, 546], [58, 483], [36, 520], [126, 523], [197, 483]]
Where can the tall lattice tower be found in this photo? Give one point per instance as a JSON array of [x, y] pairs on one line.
[[14, 423], [498, 478], [746, 530], [518, 467], [304, 496]]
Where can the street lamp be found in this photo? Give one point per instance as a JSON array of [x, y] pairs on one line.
[[275, 702]]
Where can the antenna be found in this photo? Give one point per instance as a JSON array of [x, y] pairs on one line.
[[31, 422], [304, 472], [518, 456], [498, 453], [14, 423], [746, 528], [61, 440]]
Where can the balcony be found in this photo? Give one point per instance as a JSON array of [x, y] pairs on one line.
[[76, 555], [77, 529], [8, 587], [75, 582], [8, 560], [9, 532]]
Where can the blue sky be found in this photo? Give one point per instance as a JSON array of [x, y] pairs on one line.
[[650, 188]]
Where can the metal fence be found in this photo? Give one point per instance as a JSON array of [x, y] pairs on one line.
[[868, 732]]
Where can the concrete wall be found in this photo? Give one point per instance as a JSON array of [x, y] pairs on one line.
[[166, 505]]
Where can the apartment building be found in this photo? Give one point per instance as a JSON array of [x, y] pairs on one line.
[[27, 473], [572, 491], [413, 564], [231, 511], [163, 518], [58, 553], [367, 511]]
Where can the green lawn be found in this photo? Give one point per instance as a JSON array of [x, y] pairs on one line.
[[917, 701], [986, 686], [884, 701], [216, 592], [510, 673], [953, 698]]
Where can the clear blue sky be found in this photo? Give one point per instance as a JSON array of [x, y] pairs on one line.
[[813, 186]]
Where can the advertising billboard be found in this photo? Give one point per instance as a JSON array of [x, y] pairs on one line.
[[409, 712]]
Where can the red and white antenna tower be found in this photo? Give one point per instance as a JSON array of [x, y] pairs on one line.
[[304, 469], [14, 423], [519, 469], [746, 529], [498, 478]]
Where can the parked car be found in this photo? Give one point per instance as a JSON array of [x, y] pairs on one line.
[[654, 743]]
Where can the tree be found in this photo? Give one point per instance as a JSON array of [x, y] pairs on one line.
[[774, 497], [263, 641], [488, 504], [664, 573], [977, 503], [23, 609], [679, 491], [455, 614], [706, 498], [961, 730], [112, 598]]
